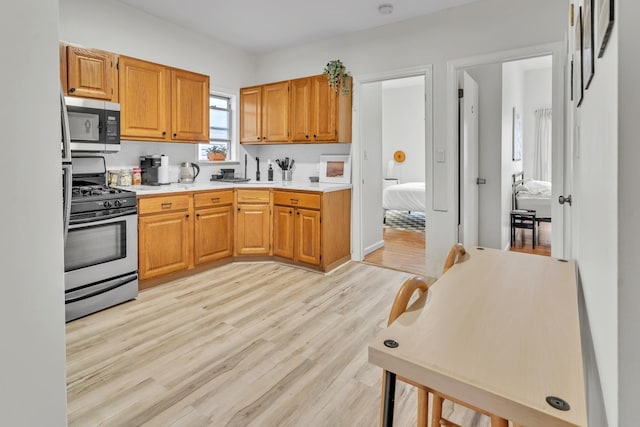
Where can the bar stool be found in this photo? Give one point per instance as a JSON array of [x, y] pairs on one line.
[[400, 303]]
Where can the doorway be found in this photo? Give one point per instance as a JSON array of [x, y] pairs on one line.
[[495, 185], [392, 128]]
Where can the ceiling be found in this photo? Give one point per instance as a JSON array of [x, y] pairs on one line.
[[261, 26]]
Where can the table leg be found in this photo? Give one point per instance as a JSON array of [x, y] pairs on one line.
[[389, 399]]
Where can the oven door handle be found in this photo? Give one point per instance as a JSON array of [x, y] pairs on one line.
[[122, 213], [118, 283]]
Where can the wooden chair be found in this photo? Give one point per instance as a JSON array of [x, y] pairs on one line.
[[400, 303]]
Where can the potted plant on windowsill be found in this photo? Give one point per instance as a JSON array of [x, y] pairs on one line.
[[217, 153]]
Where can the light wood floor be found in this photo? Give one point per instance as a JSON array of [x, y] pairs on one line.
[[403, 250], [241, 345]]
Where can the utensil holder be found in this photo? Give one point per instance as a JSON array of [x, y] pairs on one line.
[[287, 175]]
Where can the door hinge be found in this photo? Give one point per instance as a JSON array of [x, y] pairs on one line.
[[481, 181], [460, 93]]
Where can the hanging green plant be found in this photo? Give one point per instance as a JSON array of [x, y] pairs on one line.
[[338, 76]]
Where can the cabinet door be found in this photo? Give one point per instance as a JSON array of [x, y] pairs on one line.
[[283, 230], [91, 73], [300, 110], [253, 230], [164, 243], [307, 236], [323, 110], [145, 110], [251, 115], [275, 112], [190, 106], [213, 234]]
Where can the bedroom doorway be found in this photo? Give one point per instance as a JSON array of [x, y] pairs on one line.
[[392, 113], [507, 111]]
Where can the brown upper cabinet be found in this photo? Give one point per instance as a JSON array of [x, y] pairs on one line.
[[264, 114], [160, 103], [315, 113], [88, 73]]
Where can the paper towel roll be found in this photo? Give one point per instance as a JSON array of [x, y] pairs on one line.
[[163, 170]]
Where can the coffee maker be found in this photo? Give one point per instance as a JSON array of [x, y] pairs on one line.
[[150, 166]]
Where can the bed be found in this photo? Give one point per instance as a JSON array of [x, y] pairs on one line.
[[409, 196], [532, 195]]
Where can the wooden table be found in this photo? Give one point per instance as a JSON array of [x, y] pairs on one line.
[[498, 331]]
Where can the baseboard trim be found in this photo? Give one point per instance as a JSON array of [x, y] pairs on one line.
[[373, 247]]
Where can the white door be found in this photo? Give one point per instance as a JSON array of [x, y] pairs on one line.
[[468, 231]]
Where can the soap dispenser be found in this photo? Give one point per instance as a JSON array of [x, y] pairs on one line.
[[270, 172]]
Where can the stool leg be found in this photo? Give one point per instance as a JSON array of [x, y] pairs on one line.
[[436, 409], [423, 407]]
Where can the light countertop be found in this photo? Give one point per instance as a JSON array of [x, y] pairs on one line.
[[174, 187]]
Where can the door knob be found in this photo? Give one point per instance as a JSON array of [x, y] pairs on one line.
[[562, 200]]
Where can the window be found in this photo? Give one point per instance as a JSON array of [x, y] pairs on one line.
[[221, 111]]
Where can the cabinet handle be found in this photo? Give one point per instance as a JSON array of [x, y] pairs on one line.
[[265, 138], [72, 89], [306, 136], [289, 212], [166, 205], [314, 135], [187, 216], [164, 133], [258, 138], [298, 213], [175, 134], [215, 199], [197, 215], [238, 209], [294, 201]]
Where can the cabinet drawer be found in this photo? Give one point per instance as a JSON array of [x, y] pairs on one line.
[[213, 198], [163, 204], [252, 196], [290, 198]]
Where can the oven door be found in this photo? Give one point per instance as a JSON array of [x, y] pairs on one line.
[[98, 250]]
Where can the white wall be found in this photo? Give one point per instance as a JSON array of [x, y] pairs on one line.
[[537, 94], [628, 177], [489, 79], [32, 372], [596, 211], [478, 28], [403, 128], [371, 96], [512, 96]]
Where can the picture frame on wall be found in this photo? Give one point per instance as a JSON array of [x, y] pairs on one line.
[[605, 24], [517, 136], [579, 64], [588, 44], [335, 169]]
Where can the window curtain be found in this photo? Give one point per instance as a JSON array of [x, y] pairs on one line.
[[542, 147]]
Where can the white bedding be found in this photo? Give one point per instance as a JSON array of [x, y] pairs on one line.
[[409, 196], [535, 195]]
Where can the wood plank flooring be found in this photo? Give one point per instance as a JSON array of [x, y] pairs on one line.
[[246, 344], [403, 250]]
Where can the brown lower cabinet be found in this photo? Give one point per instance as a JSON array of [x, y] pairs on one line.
[[165, 235], [180, 232]]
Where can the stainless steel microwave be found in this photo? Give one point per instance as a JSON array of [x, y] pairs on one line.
[[94, 126]]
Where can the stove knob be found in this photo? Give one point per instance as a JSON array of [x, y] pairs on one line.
[[107, 204], [117, 203]]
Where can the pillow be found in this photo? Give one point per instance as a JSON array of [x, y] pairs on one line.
[[542, 188]]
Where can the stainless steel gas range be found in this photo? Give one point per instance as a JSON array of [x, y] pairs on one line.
[[101, 248]]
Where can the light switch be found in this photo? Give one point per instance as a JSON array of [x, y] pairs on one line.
[[440, 158]]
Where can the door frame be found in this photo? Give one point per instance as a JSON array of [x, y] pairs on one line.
[[357, 147], [557, 50]]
